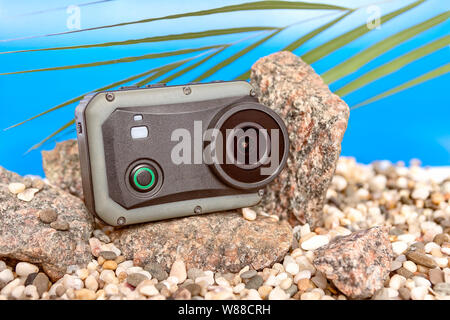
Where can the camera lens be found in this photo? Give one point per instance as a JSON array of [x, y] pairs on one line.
[[255, 145]]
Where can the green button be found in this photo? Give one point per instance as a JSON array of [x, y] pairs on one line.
[[150, 184]]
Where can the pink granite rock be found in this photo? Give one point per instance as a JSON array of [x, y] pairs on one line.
[[316, 120], [24, 237], [359, 263]]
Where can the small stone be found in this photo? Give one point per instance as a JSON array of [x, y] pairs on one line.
[[31, 292], [38, 184], [255, 282], [405, 273], [182, 294], [194, 289], [23, 269], [27, 195], [148, 290], [320, 281], [441, 238], [436, 276], [60, 290], [314, 242], [60, 225], [48, 215], [421, 281], [399, 247], [41, 282], [85, 294], [178, 270], [16, 187], [291, 290], [135, 279], [156, 270], [6, 276], [419, 293], [397, 281], [420, 194], [264, 291], [292, 268], [248, 274], [410, 266], [108, 255], [17, 292], [278, 294], [421, 259], [111, 289], [304, 284], [442, 289], [286, 283], [109, 265], [395, 265], [91, 283], [404, 293], [248, 214], [313, 295], [100, 235]]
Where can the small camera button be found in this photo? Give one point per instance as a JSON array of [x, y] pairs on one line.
[[143, 178], [140, 132]]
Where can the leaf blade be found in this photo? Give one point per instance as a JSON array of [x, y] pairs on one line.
[[67, 125], [340, 41]]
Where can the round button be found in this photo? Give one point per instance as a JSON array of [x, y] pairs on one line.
[[143, 177]]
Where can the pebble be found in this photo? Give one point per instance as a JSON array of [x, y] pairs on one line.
[[420, 193], [410, 266], [255, 282], [313, 295], [111, 289], [442, 289], [48, 215], [264, 291], [304, 274], [148, 290], [23, 269], [278, 294], [27, 195], [6, 276], [404, 293], [440, 238], [292, 268], [100, 235], [41, 282], [135, 279], [399, 247], [17, 292], [397, 281], [108, 255], [422, 259], [419, 293], [60, 225], [16, 187], [320, 281], [2, 265], [156, 270], [38, 184], [395, 265], [248, 274], [436, 276], [405, 273], [314, 242], [30, 292], [178, 270], [421, 282], [109, 265], [85, 294], [248, 214], [91, 283], [195, 289]]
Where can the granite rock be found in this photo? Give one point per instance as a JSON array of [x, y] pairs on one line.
[[24, 237], [62, 167], [223, 242], [359, 263], [316, 120]]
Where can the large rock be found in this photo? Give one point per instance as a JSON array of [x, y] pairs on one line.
[[316, 120], [24, 237], [359, 263], [223, 242], [62, 167]]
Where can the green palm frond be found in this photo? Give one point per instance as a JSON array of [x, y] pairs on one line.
[[356, 62], [121, 60], [393, 65], [416, 81], [171, 37], [344, 39], [257, 5]]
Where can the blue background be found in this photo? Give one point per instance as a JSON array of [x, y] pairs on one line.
[[414, 123]]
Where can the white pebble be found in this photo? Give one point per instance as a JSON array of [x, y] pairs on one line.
[[108, 276], [410, 266], [111, 289], [27, 195], [6, 276], [420, 193], [397, 281], [315, 242], [441, 262], [72, 282], [292, 268], [16, 187], [248, 214], [421, 282], [148, 290], [278, 294], [31, 292], [399, 247], [430, 246], [313, 295], [91, 283], [6, 291], [304, 274], [305, 230], [238, 288], [339, 182], [419, 293], [23, 269], [17, 292]]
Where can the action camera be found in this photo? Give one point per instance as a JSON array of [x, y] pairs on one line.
[[161, 152]]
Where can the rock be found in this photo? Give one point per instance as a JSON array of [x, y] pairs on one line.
[[135, 279], [218, 242], [442, 289], [27, 195], [193, 288], [314, 242], [60, 225], [255, 282], [25, 238], [178, 271], [156, 270], [419, 293], [48, 216], [108, 255], [23, 269], [6, 276], [316, 120], [85, 294], [62, 167], [16, 187], [359, 263], [248, 274], [278, 294], [248, 214], [41, 283], [422, 259], [436, 276]]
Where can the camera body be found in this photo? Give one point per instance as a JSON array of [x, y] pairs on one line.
[[162, 152]]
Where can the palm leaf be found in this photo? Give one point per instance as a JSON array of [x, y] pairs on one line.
[[257, 5], [416, 81], [121, 60], [354, 63], [342, 40], [182, 36], [393, 65], [236, 56], [64, 127]]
